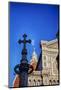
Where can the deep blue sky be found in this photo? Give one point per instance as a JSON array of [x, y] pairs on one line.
[[38, 21]]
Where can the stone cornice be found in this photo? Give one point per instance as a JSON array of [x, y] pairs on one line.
[[48, 42], [50, 49]]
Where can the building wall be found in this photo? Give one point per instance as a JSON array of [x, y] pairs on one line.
[[49, 63], [34, 79], [49, 75]]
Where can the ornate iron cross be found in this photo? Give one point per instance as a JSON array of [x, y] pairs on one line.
[[24, 41]]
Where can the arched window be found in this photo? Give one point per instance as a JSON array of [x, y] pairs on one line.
[[34, 82], [50, 82], [54, 81], [38, 82], [57, 81], [29, 80]]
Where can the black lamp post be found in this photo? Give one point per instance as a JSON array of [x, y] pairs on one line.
[[22, 68]]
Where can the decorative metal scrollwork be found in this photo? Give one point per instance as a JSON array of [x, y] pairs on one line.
[[18, 68]]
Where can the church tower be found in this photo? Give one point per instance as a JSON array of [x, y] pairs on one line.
[[34, 59]]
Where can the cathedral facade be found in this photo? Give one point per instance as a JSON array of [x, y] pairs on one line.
[[49, 73], [45, 71]]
